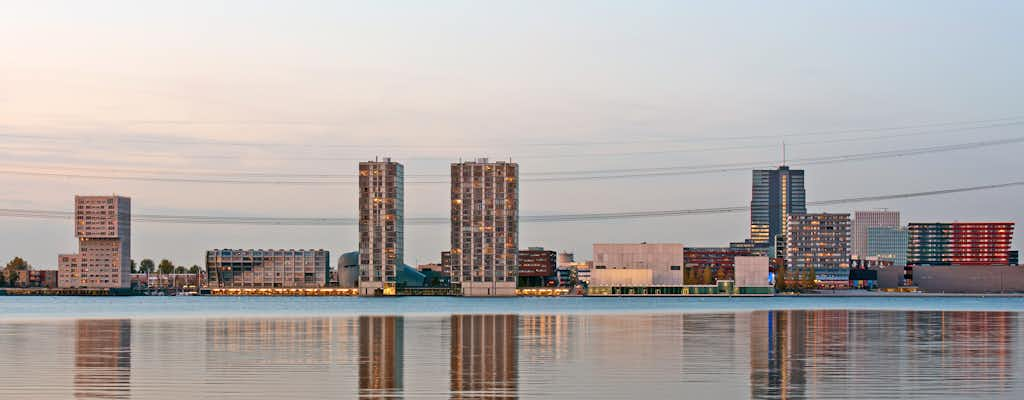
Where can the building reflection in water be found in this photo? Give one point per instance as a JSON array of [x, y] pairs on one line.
[[832, 353], [380, 356], [103, 359], [484, 356]]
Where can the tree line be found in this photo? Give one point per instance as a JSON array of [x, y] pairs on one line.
[[9, 275]]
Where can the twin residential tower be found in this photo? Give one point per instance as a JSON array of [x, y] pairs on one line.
[[484, 227]]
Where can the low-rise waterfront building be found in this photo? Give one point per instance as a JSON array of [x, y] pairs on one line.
[[536, 266], [720, 260], [665, 260], [37, 278], [752, 276], [259, 268]]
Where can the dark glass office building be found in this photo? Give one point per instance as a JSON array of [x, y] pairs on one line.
[[776, 194]]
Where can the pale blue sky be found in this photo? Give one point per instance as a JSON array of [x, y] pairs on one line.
[[88, 86]]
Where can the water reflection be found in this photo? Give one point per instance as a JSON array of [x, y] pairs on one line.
[[380, 356], [760, 354], [103, 359], [484, 356], [801, 354]]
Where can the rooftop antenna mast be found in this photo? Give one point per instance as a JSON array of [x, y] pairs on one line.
[[783, 153]]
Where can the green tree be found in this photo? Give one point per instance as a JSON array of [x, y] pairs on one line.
[[707, 279], [194, 269], [166, 267], [11, 270], [780, 279], [147, 266], [180, 270], [135, 267]]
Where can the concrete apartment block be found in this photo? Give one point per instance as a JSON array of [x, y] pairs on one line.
[[485, 227], [103, 229], [381, 231]]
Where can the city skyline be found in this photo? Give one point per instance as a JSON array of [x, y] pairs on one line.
[[183, 120]]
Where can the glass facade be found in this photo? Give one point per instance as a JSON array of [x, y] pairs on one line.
[[776, 194]]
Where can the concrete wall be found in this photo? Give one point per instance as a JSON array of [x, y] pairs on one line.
[[657, 257], [751, 271], [621, 277], [959, 279]]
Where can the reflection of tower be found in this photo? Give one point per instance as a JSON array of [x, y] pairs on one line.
[[485, 356], [103, 359], [778, 358], [380, 356]]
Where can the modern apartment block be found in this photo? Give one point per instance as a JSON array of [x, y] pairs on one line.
[[535, 265], [715, 258], [259, 268], [818, 241], [381, 212], [862, 220], [959, 243], [665, 260], [485, 227], [776, 194], [887, 243], [103, 228]]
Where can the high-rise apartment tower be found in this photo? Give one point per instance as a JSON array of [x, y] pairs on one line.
[[381, 209], [485, 227]]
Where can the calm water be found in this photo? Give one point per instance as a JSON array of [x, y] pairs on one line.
[[274, 348]]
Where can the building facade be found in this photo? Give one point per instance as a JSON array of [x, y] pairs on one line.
[[259, 268], [103, 228], [887, 243], [776, 194], [665, 260], [381, 215], [864, 220], [959, 243], [536, 265], [485, 227], [714, 258], [817, 241]]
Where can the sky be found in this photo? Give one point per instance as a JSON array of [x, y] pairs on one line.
[[295, 91]]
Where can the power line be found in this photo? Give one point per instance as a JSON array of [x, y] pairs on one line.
[[251, 144], [582, 217], [579, 175]]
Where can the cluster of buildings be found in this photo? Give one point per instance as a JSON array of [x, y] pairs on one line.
[[786, 244]]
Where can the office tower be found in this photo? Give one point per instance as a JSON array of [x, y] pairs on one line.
[[776, 194], [818, 241], [381, 206], [535, 266], [259, 268], [862, 220], [887, 243], [485, 227], [103, 228], [664, 260], [959, 243]]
